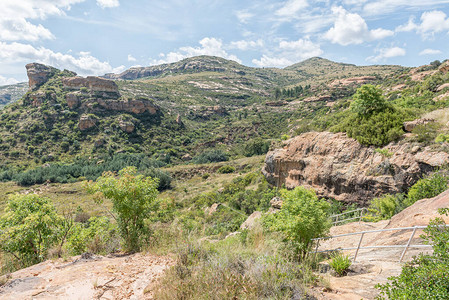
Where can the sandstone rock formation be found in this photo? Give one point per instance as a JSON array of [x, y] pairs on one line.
[[339, 167], [87, 122], [409, 126], [38, 74], [73, 100], [353, 80], [444, 67], [442, 87], [126, 105], [127, 126], [93, 83]]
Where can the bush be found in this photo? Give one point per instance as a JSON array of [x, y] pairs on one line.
[[368, 100], [426, 276], [340, 263], [256, 146], [132, 198], [387, 206], [427, 187], [28, 228], [426, 133], [226, 169], [210, 156], [302, 217]]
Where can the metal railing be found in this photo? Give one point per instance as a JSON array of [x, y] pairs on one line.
[[362, 233], [339, 218]]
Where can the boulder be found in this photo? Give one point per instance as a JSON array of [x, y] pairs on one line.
[[93, 83], [127, 126], [338, 167], [131, 106], [444, 67], [38, 74], [276, 203], [73, 100], [251, 221], [409, 126], [87, 122], [442, 87]]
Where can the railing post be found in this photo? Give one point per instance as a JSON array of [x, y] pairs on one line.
[[358, 247], [316, 250], [336, 220], [408, 244]]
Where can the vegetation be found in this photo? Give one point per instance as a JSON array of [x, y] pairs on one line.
[[368, 100], [427, 187], [425, 277], [132, 197], [301, 218], [340, 263]]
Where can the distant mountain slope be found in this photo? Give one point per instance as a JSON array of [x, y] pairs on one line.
[[12, 93]]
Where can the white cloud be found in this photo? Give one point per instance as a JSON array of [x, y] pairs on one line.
[[7, 81], [84, 64], [209, 46], [291, 8], [131, 58], [108, 3], [290, 52], [382, 7], [351, 28], [430, 52], [385, 53], [20, 29], [244, 16], [246, 45], [431, 22]]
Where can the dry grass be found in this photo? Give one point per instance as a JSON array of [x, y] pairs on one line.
[[440, 115]]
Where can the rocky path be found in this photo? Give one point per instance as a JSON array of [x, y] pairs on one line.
[[88, 277]]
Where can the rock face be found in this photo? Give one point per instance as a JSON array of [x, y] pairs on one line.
[[73, 100], [93, 83], [38, 74], [353, 80], [409, 126], [444, 67], [339, 167], [127, 126], [131, 106], [86, 122]]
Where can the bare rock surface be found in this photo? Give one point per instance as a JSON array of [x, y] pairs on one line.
[[338, 167], [86, 122], [134, 106], [409, 126], [353, 80], [126, 277], [38, 74], [92, 83]]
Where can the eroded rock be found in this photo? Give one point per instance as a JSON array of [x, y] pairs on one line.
[[409, 126], [38, 74], [93, 83], [87, 122], [73, 100], [338, 167]]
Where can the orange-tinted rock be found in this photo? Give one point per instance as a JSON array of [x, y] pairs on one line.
[[38, 74], [444, 67], [93, 83], [132, 106], [339, 167], [127, 126], [353, 80], [87, 122], [73, 100]]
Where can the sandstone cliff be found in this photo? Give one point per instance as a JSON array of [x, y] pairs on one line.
[[339, 167], [38, 74], [92, 83]]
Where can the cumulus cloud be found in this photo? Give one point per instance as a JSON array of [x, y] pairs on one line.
[[208, 46], [291, 8], [84, 63], [108, 3], [386, 53], [430, 52], [382, 7], [7, 81], [351, 28], [290, 52], [431, 22], [131, 58], [246, 45]]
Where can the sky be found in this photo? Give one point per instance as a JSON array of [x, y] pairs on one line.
[[94, 37]]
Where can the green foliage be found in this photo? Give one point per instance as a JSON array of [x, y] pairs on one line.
[[384, 152], [226, 169], [426, 276], [256, 146], [28, 228], [132, 198], [442, 138], [210, 156], [426, 133], [387, 206], [302, 217], [377, 128], [97, 235], [368, 100], [427, 187], [340, 263]]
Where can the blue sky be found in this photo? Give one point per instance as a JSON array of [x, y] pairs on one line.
[[101, 36]]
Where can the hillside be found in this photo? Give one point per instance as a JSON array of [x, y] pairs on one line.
[[12, 93]]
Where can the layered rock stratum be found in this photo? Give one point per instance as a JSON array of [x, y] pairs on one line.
[[338, 167]]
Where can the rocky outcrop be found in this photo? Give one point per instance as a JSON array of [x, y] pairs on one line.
[[126, 105], [339, 167], [276, 103], [87, 122], [93, 83], [444, 67], [73, 100], [38, 74], [409, 126], [318, 98], [252, 221], [127, 126], [353, 81], [442, 87]]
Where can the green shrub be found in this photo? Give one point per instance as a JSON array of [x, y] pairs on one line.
[[302, 217], [226, 169], [256, 146], [132, 198], [426, 276], [387, 206], [427, 187], [28, 228], [210, 156], [368, 99], [442, 138], [426, 133], [340, 263]]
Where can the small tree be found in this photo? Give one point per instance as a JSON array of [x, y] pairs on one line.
[[28, 228], [368, 100], [132, 198], [302, 217]]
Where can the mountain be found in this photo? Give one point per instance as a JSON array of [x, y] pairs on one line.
[[12, 93]]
